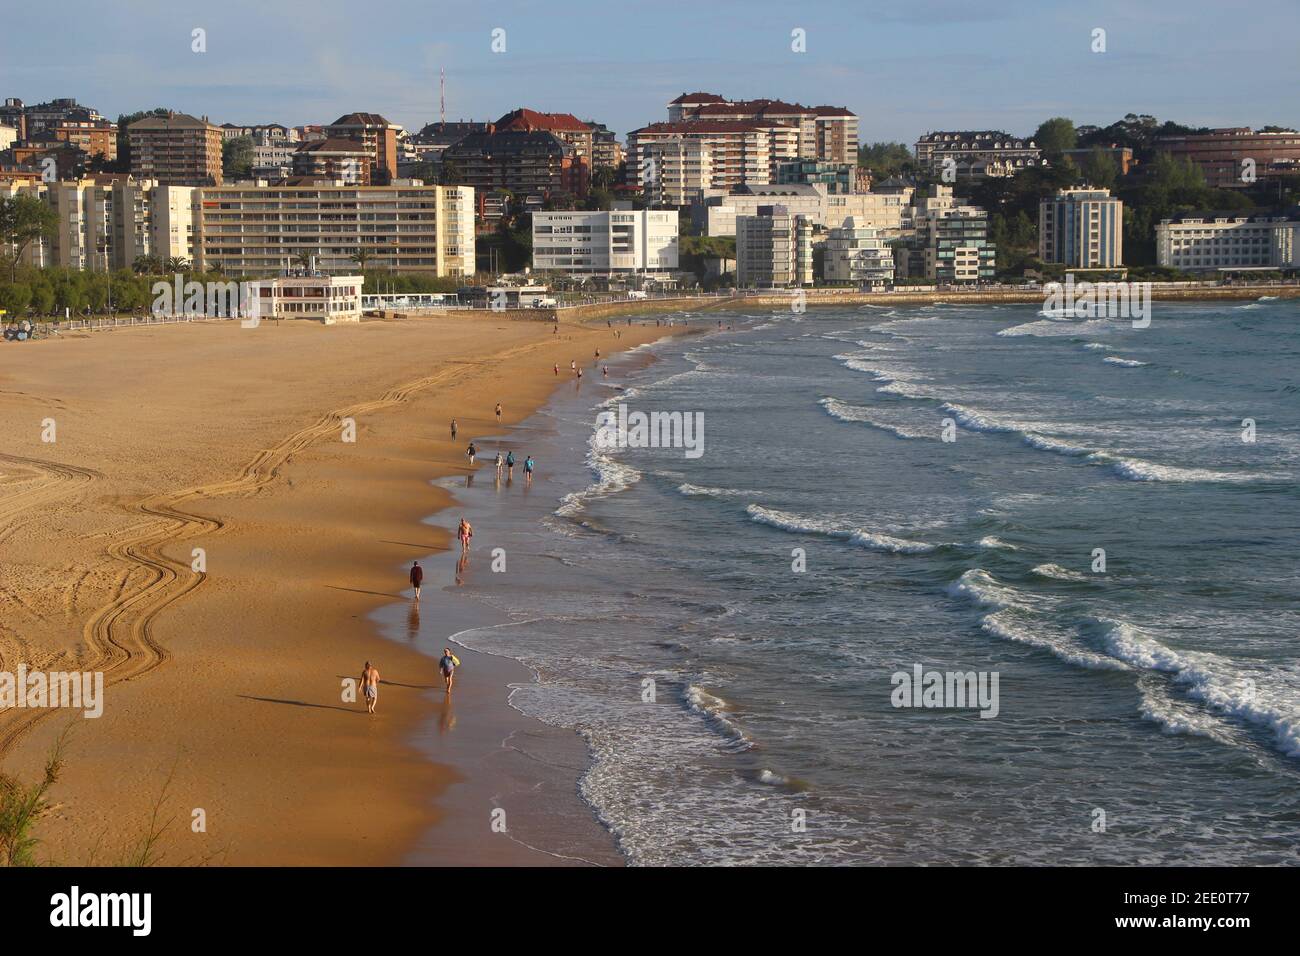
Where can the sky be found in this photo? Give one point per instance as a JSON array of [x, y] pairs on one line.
[[905, 68]]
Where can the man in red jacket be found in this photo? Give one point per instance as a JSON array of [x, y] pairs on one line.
[[417, 577]]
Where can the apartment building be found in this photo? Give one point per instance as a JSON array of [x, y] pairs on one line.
[[8, 136], [856, 253], [889, 211], [606, 150], [773, 249], [1228, 241], [523, 162], [740, 151], [947, 241], [565, 127], [608, 242], [377, 136], [347, 161], [108, 221], [176, 150], [836, 177], [1236, 158], [94, 137], [264, 134], [31, 120], [259, 229], [828, 133], [675, 172], [977, 154], [1082, 228]]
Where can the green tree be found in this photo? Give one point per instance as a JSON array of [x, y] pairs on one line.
[[237, 157], [886, 159], [1056, 135], [1100, 169], [24, 219]]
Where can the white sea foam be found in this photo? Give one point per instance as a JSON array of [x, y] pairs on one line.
[[612, 476], [1095, 345], [857, 414], [701, 491], [1126, 363], [713, 709], [870, 540], [1052, 327], [1060, 574], [991, 543], [1213, 680]]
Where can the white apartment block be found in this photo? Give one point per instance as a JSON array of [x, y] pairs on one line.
[[740, 152], [8, 136], [619, 240], [108, 223], [891, 212], [1082, 228], [774, 249], [856, 253], [256, 228], [1226, 241], [674, 172]]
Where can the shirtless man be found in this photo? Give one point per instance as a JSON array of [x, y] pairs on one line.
[[370, 686], [464, 533]]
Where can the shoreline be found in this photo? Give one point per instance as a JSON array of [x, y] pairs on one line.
[[305, 783]]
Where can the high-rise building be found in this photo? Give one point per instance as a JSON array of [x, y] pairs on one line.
[[619, 240], [740, 151], [108, 221], [856, 253], [176, 150], [675, 172], [773, 249], [1081, 228], [377, 135], [828, 133], [259, 229]]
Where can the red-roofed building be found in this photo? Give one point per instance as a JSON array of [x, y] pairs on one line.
[[565, 127], [828, 133]]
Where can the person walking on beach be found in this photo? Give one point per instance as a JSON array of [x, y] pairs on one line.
[[604, 371], [498, 412], [464, 533], [453, 429], [499, 462], [471, 451], [448, 664], [370, 686], [557, 368], [573, 365], [528, 469], [579, 375], [417, 577], [596, 360], [510, 466]]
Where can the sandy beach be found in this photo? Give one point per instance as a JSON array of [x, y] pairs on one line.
[[224, 685]]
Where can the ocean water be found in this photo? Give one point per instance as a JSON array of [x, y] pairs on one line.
[[739, 711]]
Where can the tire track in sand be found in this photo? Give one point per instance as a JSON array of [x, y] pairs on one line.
[[119, 637]]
